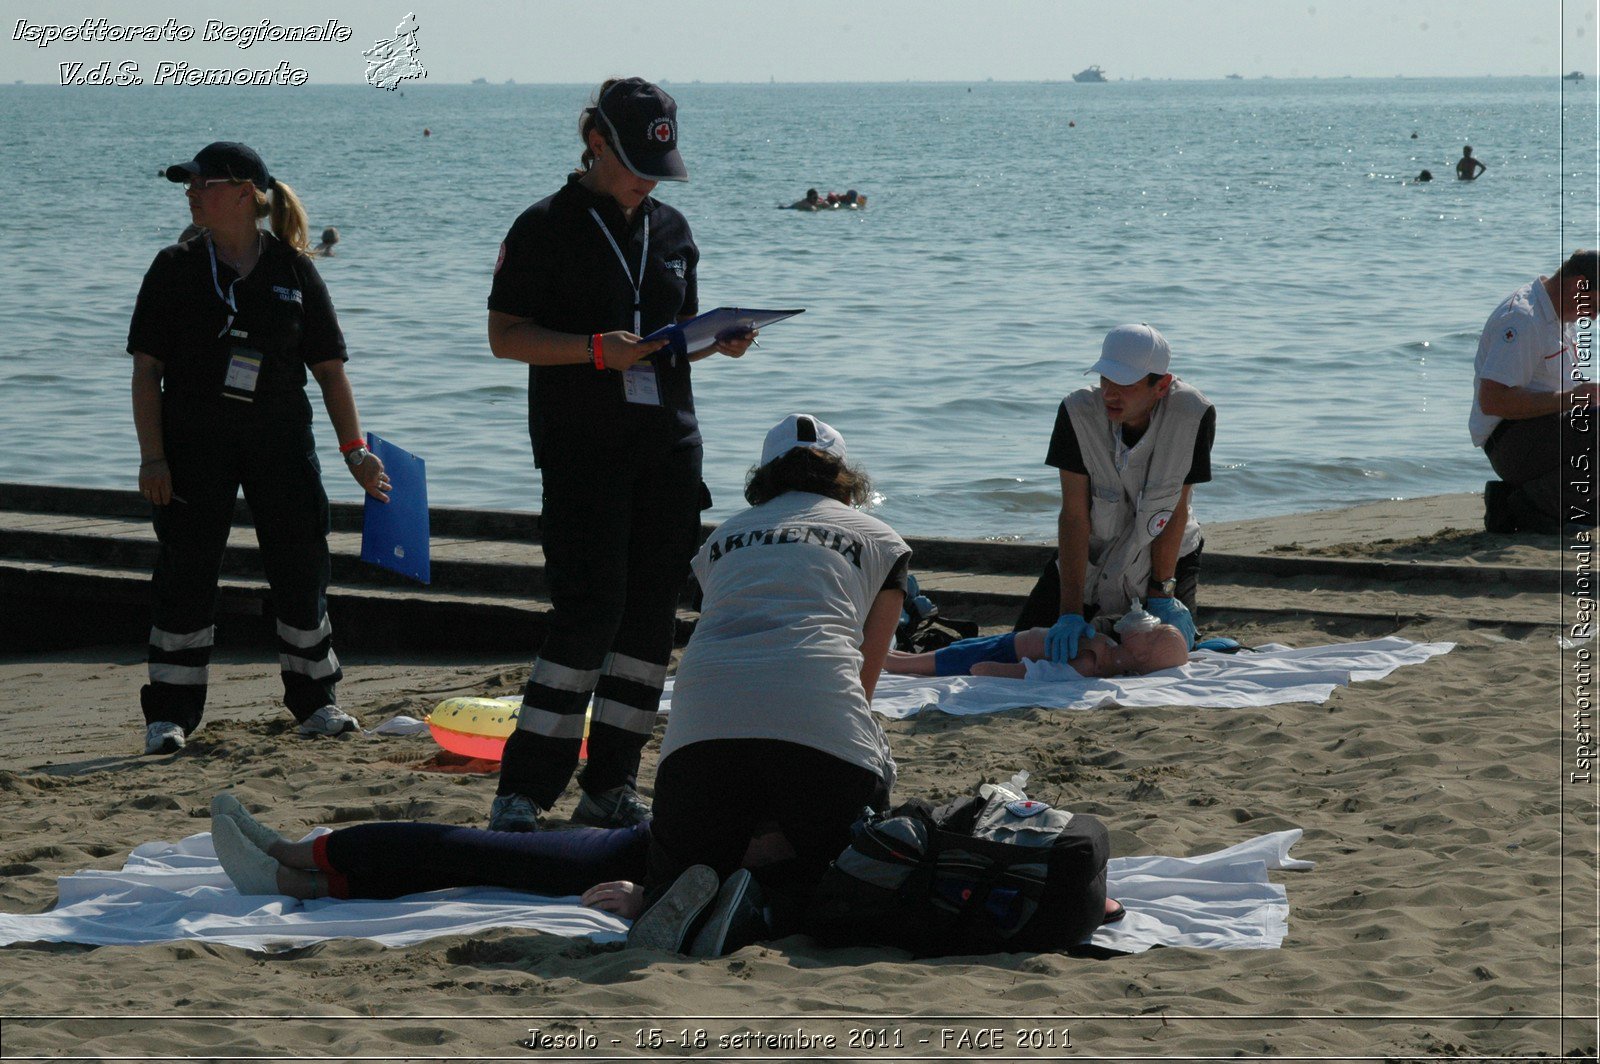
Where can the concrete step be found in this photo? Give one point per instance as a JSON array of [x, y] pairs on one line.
[[460, 563], [76, 547], [68, 596]]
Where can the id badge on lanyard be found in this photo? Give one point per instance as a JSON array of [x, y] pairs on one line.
[[244, 368], [244, 362], [640, 385]]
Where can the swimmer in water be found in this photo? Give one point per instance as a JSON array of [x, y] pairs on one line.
[[330, 237], [1468, 168], [1425, 176], [811, 202]]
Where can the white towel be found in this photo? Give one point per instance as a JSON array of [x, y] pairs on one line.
[[1272, 675], [169, 892]]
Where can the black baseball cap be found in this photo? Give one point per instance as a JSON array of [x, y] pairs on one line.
[[641, 122], [225, 158]]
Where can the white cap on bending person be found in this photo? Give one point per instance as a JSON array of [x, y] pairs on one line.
[[802, 430]]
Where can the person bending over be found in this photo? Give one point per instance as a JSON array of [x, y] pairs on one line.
[[1129, 451]]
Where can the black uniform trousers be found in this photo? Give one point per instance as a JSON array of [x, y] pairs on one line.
[[1538, 456], [714, 796], [211, 458], [620, 522]]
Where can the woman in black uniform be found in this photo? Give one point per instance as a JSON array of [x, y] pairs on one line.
[[582, 276], [226, 325]]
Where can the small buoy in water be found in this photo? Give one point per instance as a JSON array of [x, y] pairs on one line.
[[426, 132], [1413, 136], [1072, 125]]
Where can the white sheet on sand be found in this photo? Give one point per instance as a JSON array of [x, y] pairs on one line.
[[169, 892], [1269, 676]]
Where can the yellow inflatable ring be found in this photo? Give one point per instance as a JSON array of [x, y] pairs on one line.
[[479, 727]]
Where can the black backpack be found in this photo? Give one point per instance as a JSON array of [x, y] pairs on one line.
[[995, 873], [922, 629]]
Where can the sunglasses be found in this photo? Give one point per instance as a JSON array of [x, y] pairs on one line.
[[200, 184]]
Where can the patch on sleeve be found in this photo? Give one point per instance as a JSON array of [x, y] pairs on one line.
[[501, 259], [1158, 522], [1511, 334]]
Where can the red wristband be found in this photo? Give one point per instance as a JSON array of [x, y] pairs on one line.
[[596, 352], [346, 448]]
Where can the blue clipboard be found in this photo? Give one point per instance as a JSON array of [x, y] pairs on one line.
[[708, 328], [394, 534]]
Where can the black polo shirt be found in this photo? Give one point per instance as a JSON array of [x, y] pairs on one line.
[[284, 309], [1065, 454], [557, 269]]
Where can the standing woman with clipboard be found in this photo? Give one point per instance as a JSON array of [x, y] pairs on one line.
[[582, 276], [225, 327]]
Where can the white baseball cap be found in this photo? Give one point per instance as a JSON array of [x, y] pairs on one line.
[[802, 430], [1129, 352]]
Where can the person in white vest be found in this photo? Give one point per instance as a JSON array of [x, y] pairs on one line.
[[1533, 404], [1129, 452]]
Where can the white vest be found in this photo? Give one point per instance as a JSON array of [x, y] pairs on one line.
[[1133, 492]]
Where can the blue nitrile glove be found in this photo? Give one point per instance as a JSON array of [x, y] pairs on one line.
[[1061, 642], [1173, 612]]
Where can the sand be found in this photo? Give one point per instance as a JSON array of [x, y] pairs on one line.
[[1435, 924]]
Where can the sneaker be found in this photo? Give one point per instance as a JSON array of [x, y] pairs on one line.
[[251, 871], [738, 918], [620, 807], [513, 812], [163, 737], [666, 924], [260, 836], [329, 720]]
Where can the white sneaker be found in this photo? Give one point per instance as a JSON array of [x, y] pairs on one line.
[[329, 720], [163, 737]]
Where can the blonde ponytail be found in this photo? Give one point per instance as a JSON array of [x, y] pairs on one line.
[[288, 215]]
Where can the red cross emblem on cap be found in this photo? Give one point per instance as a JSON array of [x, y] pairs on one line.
[[662, 131]]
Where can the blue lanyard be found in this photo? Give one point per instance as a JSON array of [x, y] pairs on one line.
[[226, 297]]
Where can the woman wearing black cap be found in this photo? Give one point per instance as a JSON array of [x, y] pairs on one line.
[[226, 325], [582, 276]]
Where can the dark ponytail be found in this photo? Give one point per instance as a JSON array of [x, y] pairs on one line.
[[588, 121]]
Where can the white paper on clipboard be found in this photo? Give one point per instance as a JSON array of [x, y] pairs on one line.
[[704, 330]]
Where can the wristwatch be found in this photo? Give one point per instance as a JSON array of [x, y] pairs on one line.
[[1167, 587], [355, 456]]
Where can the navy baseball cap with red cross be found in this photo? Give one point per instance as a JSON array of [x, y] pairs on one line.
[[641, 121]]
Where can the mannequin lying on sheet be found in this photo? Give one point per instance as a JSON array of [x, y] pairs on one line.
[[1141, 645]]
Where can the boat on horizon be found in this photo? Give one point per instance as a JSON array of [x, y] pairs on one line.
[[1576, 75], [1092, 74], [1235, 77]]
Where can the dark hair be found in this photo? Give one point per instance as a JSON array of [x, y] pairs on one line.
[[588, 120], [1579, 264], [811, 193], [805, 469]]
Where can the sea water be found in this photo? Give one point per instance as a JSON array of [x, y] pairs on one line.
[[1326, 303]]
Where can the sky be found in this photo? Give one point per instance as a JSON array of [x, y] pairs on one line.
[[581, 41]]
